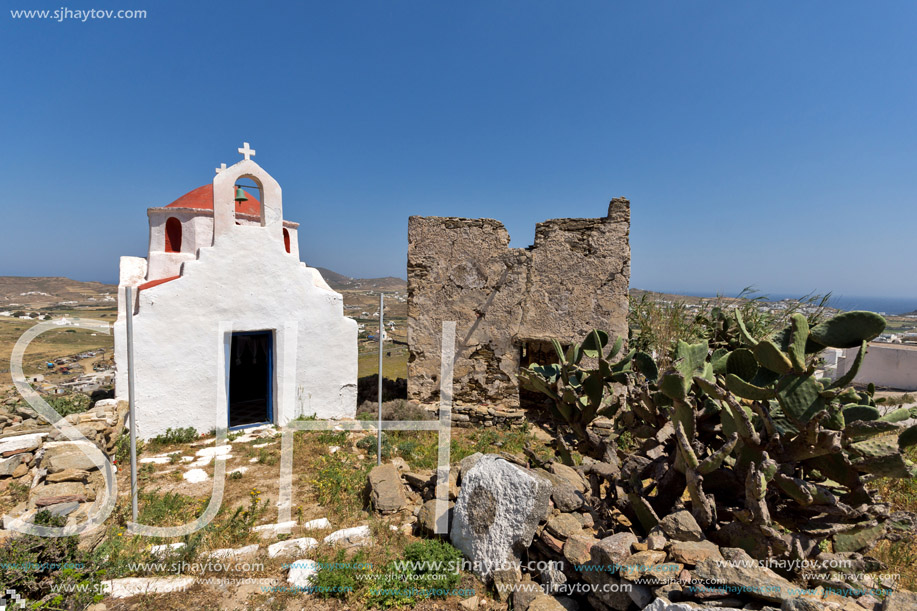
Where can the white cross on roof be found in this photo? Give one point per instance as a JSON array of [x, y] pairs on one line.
[[221, 168], [248, 152]]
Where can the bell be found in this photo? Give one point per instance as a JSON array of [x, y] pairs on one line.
[[240, 195]]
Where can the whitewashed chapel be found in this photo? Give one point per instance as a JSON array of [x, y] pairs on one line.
[[231, 329]]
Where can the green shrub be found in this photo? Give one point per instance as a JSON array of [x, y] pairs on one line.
[[337, 577], [335, 438], [266, 456], [166, 509], [425, 565], [185, 435], [69, 404], [369, 444], [437, 562], [123, 449], [238, 527]]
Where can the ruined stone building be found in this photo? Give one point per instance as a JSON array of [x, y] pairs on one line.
[[509, 302]]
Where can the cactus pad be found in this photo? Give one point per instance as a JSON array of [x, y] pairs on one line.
[[743, 389], [771, 357], [848, 330], [742, 363], [860, 412], [799, 397]]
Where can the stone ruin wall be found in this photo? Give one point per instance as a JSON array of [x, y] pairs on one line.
[[508, 302]]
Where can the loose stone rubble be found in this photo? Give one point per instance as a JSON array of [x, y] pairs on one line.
[[60, 476], [506, 513]]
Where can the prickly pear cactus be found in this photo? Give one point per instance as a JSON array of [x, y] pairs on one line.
[[749, 433]]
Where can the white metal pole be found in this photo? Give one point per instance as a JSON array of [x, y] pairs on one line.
[[379, 430], [129, 312]]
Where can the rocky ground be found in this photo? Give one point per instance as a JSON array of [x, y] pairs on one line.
[[510, 504]]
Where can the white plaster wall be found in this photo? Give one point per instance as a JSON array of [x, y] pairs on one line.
[[885, 365], [251, 283], [131, 272], [197, 232], [164, 264], [294, 239], [200, 228]]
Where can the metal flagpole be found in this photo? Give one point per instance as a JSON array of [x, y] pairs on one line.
[[379, 430], [129, 305]]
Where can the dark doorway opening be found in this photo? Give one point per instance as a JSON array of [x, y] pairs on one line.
[[251, 373], [541, 352]]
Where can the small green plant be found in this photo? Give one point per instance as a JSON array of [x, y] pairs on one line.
[[266, 457], [185, 435], [238, 528], [18, 492], [435, 563], [123, 449], [339, 482], [424, 567], [338, 576], [333, 437], [369, 445], [166, 509]]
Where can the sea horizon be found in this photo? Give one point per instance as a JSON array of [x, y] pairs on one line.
[[891, 306]]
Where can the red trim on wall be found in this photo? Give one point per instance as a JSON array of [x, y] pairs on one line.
[[152, 283]]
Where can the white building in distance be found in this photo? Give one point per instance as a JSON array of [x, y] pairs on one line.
[[230, 328]]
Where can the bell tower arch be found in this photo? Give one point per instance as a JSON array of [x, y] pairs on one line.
[[224, 204]]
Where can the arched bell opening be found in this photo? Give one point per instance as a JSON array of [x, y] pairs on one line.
[[248, 195], [173, 235]]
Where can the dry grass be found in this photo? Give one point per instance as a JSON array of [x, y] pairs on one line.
[[394, 366], [900, 556], [51, 345], [169, 500]]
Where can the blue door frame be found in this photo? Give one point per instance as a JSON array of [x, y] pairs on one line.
[[270, 378]]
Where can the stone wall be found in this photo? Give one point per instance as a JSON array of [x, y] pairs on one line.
[[58, 473], [507, 302]]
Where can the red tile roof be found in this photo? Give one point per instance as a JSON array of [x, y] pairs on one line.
[[202, 198]]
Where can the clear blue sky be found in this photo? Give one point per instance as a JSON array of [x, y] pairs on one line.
[[765, 143]]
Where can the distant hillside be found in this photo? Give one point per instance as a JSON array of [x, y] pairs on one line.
[[340, 282], [33, 293], [638, 294]]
